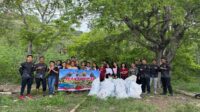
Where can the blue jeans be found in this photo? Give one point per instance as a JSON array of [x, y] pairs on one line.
[[51, 83]]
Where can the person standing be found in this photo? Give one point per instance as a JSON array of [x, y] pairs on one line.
[[138, 64], [166, 77], [94, 66], [102, 70], [133, 70], [124, 71], [109, 71], [26, 70], [68, 64], [145, 77], [116, 70], [73, 65], [59, 66], [83, 66], [52, 73], [63, 65], [154, 69], [88, 66], [40, 77]]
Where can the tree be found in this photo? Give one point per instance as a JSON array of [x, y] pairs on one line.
[[44, 21], [157, 25]]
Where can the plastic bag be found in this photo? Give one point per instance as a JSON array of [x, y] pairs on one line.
[[95, 87], [120, 89], [107, 89], [133, 89], [116, 87], [132, 78]]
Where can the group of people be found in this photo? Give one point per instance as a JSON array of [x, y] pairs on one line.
[[147, 74], [49, 74]]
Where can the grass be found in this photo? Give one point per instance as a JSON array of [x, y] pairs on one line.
[[189, 86], [65, 102], [93, 104], [57, 103]]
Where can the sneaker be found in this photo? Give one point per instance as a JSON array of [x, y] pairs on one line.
[[29, 96], [21, 97], [50, 96], [155, 93]]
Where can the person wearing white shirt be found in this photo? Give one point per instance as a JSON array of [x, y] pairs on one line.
[[109, 71]]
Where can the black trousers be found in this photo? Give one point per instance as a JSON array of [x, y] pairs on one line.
[[166, 83], [26, 82], [145, 84], [43, 81]]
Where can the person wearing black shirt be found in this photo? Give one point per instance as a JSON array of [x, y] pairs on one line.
[[145, 76], [165, 77], [26, 70], [52, 73], [41, 69], [138, 65], [154, 69]]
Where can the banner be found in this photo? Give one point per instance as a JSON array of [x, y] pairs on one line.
[[76, 80]]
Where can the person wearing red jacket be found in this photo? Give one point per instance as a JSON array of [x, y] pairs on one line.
[[102, 70], [124, 71]]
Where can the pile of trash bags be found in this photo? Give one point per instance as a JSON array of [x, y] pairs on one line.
[[118, 88]]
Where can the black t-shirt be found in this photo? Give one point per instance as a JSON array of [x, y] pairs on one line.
[[52, 73], [41, 69]]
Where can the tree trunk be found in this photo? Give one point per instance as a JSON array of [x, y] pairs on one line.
[[30, 47], [159, 55]]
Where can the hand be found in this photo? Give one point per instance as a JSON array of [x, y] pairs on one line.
[[50, 68]]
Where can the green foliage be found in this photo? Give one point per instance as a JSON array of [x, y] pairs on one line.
[[100, 45], [10, 58]]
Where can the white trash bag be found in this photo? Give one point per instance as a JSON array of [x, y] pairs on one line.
[[132, 78], [120, 89], [107, 89], [134, 90], [95, 87]]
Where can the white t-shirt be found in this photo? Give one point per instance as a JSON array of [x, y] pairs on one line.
[[109, 71]]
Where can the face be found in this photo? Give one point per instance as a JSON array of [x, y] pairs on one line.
[[154, 62], [133, 65], [144, 62], [115, 64], [72, 64], [83, 64], [58, 62], [52, 64], [123, 65], [102, 65], [94, 65], [41, 60], [29, 58], [88, 64], [63, 64], [163, 60], [107, 66]]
